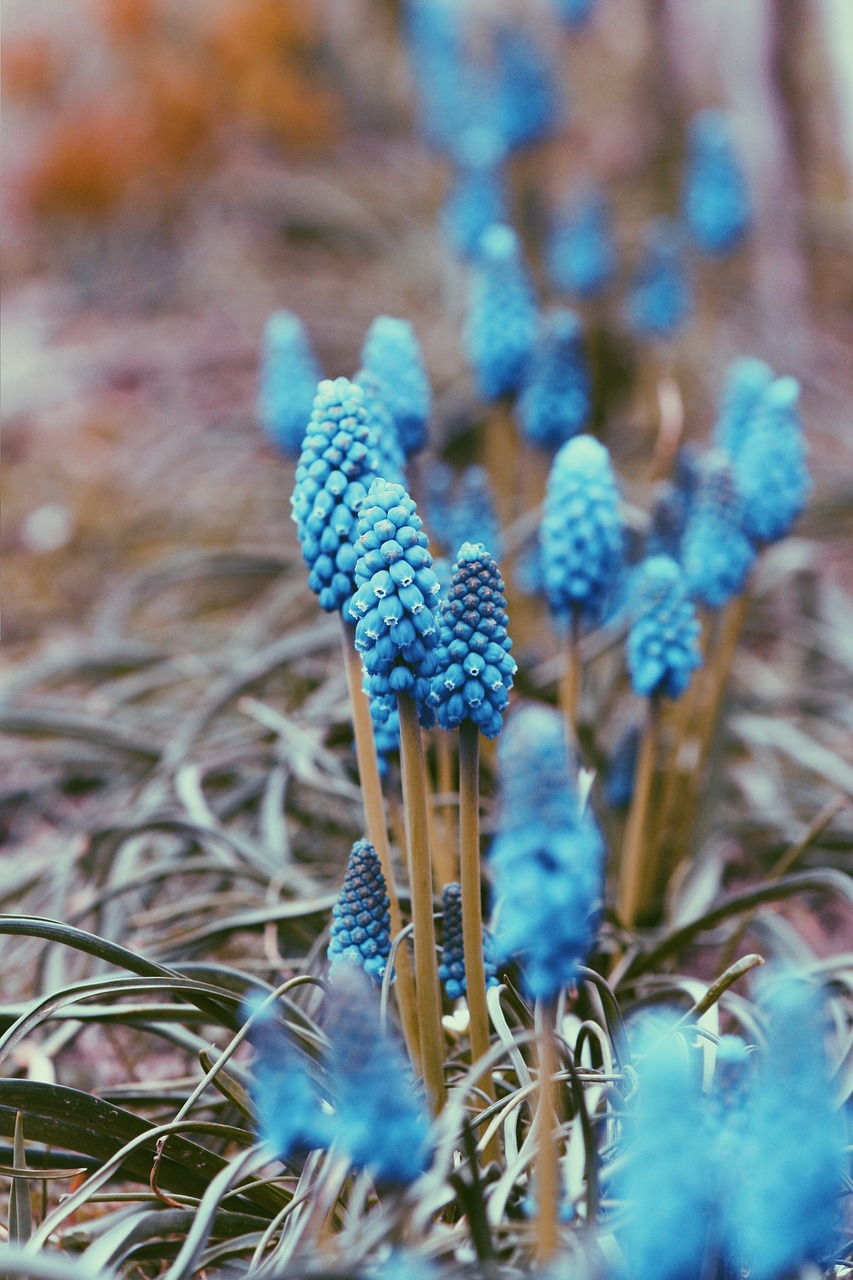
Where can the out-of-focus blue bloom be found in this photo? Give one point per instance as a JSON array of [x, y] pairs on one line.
[[581, 533], [573, 13], [478, 196], [390, 460], [404, 1265], [622, 768], [473, 666], [289, 375], [386, 730], [745, 382], [547, 861], [660, 297], [672, 505], [289, 1115], [361, 924], [501, 324], [663, 643], [471, 516], [396, 629], [392, 354], [452, 967], [439, 482], [336, 466], [714, 198], [556, 403], [442, 76], [580, 251], [528, 105], [380, 1120], [770, 464], [716, 554], [529, 575]]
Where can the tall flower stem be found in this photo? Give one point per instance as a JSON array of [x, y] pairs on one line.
[[445, 788], [501, 458], [638, 868], [547, 1155], [570, 681], [420, 876], [441, 849], [472, 914], [377, 830]]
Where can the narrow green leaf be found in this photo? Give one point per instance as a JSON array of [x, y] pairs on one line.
[[20, 1206]]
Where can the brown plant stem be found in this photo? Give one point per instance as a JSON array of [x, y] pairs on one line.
[[638, 868], [547, 1156], [570, 682], [445, 789]]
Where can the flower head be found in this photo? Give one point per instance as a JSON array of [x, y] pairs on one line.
[[386, 730], [336, 466], [452, 967], [289, 1116], [716, 554], [471, 516], [501, 325], [745, 383], [477, 197], [673, 504], [574, 13], [556, 402], [473, 666], [580, 252], [288, 381], [392, 354], [663, 642], [390, 459], [715, 198], [770, 464], [360, 918], [527, 105], [660, 296]]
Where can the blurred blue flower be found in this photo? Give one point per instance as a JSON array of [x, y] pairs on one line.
[[361, 924], [289, 375], [580, 251], [404, 1265], [745, 382], [452, 967], [716, 554], [622, 769], [528, 102], [439, 482], [672, 505], [501, 324], [478, 195], [289, 1115], [714, 198], [471, 515], [442, 76], [660, 296], [390, 460], [770, 464], [663, 642], [557, 400], [573, 13], [386, 730], [392, 354]]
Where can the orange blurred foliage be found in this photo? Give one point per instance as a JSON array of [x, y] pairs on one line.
[[33, 68], [87, 163]]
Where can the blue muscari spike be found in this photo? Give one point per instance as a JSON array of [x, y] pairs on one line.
[[622, 769], [386, 730], [471, 516], [391, 352], [660, 297], [396, 628], [573, 13], [380, 1122], [663, 642], [442, 76], [335, 469], [288, 381], [715, 197], [404, 1264], [473, 665], [478, 195], [439, 482], [672, 506], [557, 400], [390, 460], [547, 859], [361, 922], [527, 106], [500, 328], [452, 967], [580, 251], [581, 532], [289, 1115], [716, 554], [770, 465], [745, 382]]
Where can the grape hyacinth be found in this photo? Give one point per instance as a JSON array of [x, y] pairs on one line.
[[581, 533], [390, 459], [392, 354], [716, 554], [663, 642], [441, 71], [288, 381], [452, 967], [336, 466], [289, 1117], [660, 297], [396, 630], [672, 505], [473, 665], [380, 1122], [386, 731], [527, 106], [557, 400], [573, 14], [744, 385], [580, 252], [478, 196], [501, 325], [770, 464], [471, 514], [360, 918], [715, 198]]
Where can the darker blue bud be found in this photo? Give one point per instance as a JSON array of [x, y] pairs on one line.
[[452, 967], [580, 251], [716, 554], [360, 932]]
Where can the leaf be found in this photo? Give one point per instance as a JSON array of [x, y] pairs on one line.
[[61, 723], [229, 1087], [20, 1207]]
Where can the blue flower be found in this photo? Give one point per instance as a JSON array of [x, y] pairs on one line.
[[663, 642], [386, 730], [716, 554], [622, 769], [580, 252], [392, 354], [360, 918], [574, 13], [672, 505], [581, 533], [396, 629], [442, 78], [473, 666], [390, 460], [439, 482], [336, 466], [715, 198], [471, 516], [452, 967], [538, 773], [288, 381], [744, 384], [380, 1120], [557, 401], [289, 1116], [527, 106], [660, 296], [501, 324], [478, 196], [770, 464], [404, 1265]]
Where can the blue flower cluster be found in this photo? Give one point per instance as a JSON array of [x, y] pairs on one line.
[[473, 666], [392, 354], [452, 967], [715, 198], [745, 383], [478, 196], [557, 400], [380, 1120], [289, 375], [390, 460], [360, 918], [581, 532], [672, 505], [386, 731], [501, 324], [396, 630], [574, 13], [289, 1115], [663, 642], [527, 100], [660, 296], [716, 554], [580, 251], [471, 516], [770, 464], [336, 466]]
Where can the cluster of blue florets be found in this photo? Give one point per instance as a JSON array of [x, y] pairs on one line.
[[478, 196], [663, 642], [501, 324], [386, 730], [770, 464], [528, 104], [389, 457], [660, 296], [288, 381], [290, 1120], [557, 400], [361, 922], [715, 198], [716, 554], [580, 252], [744, 384], [392, 354], [452, 967]]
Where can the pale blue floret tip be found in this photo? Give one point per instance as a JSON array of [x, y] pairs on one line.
[[289, 375]]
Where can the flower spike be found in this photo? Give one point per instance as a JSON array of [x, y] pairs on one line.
[[556, 403], [716, 554], [580, 252], [660, 298], [501, 325], [361, 920], [452, 967], [715, 198], [392, 354], [289, 1115], [288, 381], [770, 465], [663, 643]]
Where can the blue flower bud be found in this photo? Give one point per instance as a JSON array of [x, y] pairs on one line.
[[660, 297], [289, 1116], [501, 324], [770, 464], [390, 460], [716, 554], [452, 967], [470, 516], [360, 919], [715, 198], [477, 197], [386, 730], [580, 251], [556, 403], [672, 505], [288, 381], [745, 383], [573, 13], [528, 99], [392, 354], [663, 642]]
